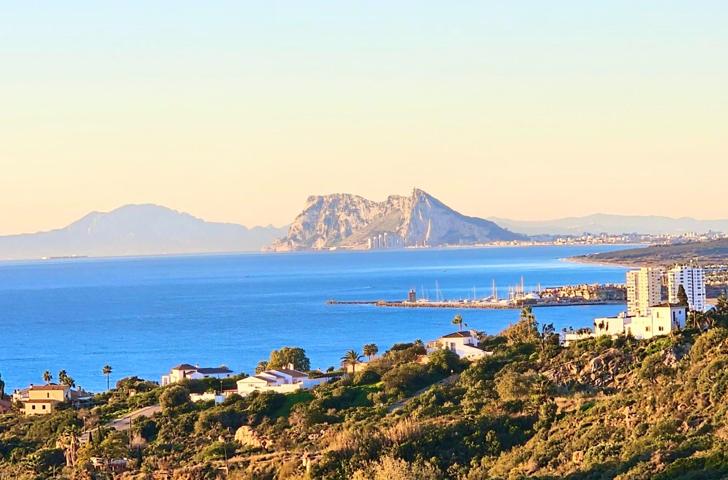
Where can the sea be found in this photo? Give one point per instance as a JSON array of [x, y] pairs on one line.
[[144, 315]]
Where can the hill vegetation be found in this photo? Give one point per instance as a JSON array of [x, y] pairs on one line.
[[602, 408], [715, 251]]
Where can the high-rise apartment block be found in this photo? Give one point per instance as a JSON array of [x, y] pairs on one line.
[[692, 278], [644, 290]]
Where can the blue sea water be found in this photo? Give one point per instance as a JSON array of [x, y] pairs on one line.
[[144, 315]]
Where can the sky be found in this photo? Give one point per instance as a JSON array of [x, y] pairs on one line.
[[238, 111]]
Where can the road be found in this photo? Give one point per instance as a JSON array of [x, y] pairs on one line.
[[122, 423]]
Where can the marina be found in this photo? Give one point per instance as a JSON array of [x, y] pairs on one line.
[[562, 296]]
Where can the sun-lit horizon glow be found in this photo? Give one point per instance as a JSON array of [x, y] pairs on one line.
[[237, 112]]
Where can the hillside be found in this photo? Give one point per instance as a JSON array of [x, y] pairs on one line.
[[354, 222], [137, 230], [715, 251], [600, 409], [613, 224]]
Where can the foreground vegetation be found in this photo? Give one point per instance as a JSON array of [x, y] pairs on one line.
[[600, 409]]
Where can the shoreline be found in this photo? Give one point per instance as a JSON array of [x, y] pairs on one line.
[[81, 258]]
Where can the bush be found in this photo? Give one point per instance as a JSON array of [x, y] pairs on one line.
[[264, 405], [367, 377], [406, 379], [512, 385], [174, 397], [444, 362], [46, 459]]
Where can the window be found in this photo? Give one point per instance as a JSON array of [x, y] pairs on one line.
[[32, 407], [661, 328], [43, 407]]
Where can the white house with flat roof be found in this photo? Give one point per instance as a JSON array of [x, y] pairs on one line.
[[282, 380]]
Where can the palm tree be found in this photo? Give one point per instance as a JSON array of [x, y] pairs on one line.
[[351, 358], [107, 373], [458, 320], [64, 379], [47, 376], [2, 388], [370, 349]]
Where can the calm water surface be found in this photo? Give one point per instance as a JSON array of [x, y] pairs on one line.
[[144, 315]]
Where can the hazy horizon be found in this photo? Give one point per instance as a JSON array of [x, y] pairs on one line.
[[238, 112]]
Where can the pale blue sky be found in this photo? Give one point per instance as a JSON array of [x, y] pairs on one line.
[[237, 111]]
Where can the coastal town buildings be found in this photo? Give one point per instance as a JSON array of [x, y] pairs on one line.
[[463, 343], [644, 290], [195, 372], [284, 380], [692, 279]]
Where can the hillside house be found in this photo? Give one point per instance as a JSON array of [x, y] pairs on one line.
[[194, 372], [284, 380], [463, 343]]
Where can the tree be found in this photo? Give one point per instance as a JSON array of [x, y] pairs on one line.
[[512, 385], [287, 357], [174, 397], [682, 297], [2, 387], [444, 360], [107, 373], [64, 379], [458, 320], [47, 376], [719, 314], [351, 358], [370, 349], [525, 330], [549, 337], [261, 367]]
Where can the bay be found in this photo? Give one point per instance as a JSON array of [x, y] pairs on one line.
[[144, 315]]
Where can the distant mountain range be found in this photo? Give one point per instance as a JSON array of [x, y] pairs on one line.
[[138, 230], [613, 224], [350, 221], [327, 222]]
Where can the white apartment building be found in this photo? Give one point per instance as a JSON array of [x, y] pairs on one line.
[[693, 281], [644, 290], [661, 320]]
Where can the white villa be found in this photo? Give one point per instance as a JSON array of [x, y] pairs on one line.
[[283, 380], [194, 372], [660, 320], [463, 343]]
